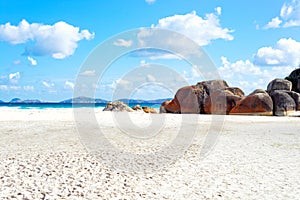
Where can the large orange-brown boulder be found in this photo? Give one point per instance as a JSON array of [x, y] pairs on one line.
[[188, 100], [284, 104], [171, 106], [255, 104], [221, 102], [191, 99], [212, 86], [147, 109]]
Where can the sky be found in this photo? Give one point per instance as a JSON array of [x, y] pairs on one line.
[[43, 44]]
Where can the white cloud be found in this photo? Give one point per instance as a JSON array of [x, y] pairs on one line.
[[69, 84], [248, 76], [289, 16], [218, 10], [28, 88], [201, 30], [58, 40], [47, 84], [123, 43], [14, 77], [274, 23], [150, 1], [285, 53], [88, 73], [32, 61]]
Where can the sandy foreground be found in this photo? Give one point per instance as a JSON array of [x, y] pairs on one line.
[[47, 154]]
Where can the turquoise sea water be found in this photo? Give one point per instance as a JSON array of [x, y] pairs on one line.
[[64, 105]]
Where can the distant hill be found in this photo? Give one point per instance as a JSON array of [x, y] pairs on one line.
[[18, 100], [84, 100]]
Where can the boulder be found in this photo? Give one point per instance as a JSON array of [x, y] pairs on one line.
[[257, 91], [255, 104], [294, 77], [171, 106], [236, 91], [283, 103], [191, 99], [188, 100], [296, 97], [117, 106], [147, 109], [279, 84], [220, 102], [137, 108]]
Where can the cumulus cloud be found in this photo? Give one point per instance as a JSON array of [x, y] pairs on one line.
[[69, 84], [274, 23], [88, 73], [47, 84], [248, 76], [218, 10], [286, 52], [201, 30], [58, 40], [32, 61], [123, 43], [289, 16], [14, 77]]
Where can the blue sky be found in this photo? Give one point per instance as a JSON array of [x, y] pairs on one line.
[[44, 43]]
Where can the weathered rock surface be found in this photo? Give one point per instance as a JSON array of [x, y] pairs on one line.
[[296, 97], [221, 102], [236, 91], [279, 84], [191, 99], [117, 106], [294, 77], [188, 100], [257, 91], [147, 109], [137, 108], [283, 103], [258, 103], [171, 106]]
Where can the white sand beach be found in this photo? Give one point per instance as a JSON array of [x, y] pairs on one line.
[[44, 157]]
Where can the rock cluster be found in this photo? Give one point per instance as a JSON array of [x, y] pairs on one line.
[[216, 97], [119, 106]]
